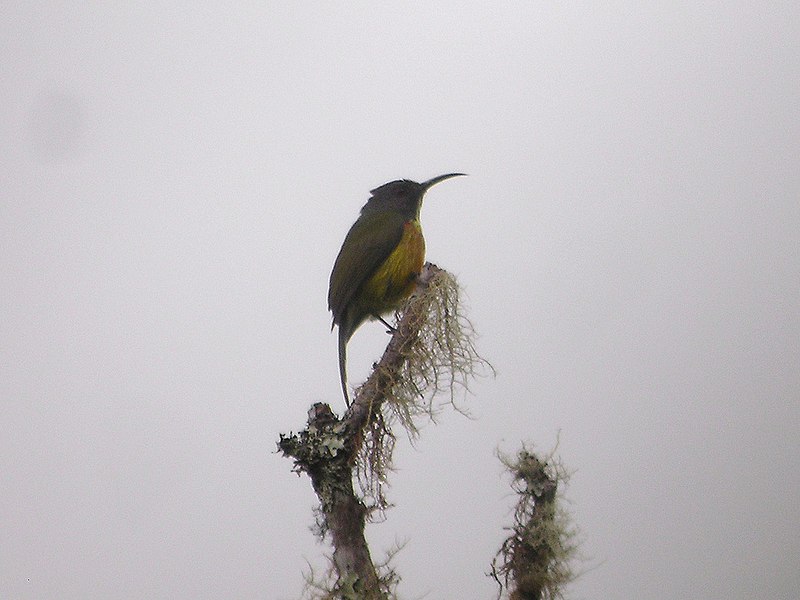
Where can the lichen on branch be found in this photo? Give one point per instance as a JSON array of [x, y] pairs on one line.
[[534, 562], [431, 350]]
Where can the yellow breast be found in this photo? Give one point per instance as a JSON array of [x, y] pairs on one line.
[[395, 278]]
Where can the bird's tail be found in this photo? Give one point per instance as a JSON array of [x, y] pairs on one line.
[[343, 339]]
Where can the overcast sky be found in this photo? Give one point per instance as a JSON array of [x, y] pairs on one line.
[[175, 183]]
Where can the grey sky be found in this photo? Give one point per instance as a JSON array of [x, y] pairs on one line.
[[176, 182]]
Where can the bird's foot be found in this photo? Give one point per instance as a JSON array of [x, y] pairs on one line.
[[390, 328]]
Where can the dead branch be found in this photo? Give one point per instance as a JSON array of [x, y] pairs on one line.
[[430, 338]]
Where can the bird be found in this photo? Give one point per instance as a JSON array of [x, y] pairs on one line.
[[379, 261]]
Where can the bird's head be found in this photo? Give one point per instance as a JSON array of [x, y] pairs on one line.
[[403, 194]]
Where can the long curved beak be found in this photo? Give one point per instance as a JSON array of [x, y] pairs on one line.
[[435, 180]]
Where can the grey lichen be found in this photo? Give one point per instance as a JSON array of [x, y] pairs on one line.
[[534, 562]]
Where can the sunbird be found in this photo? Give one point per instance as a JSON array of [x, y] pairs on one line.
[[380, 260]]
